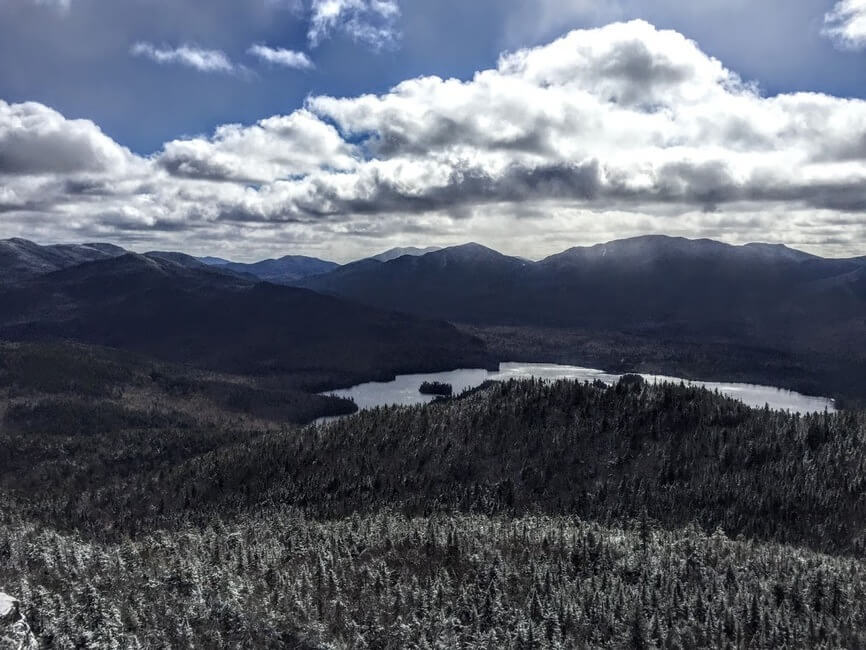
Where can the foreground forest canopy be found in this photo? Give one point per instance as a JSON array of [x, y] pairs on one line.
[[149, 505]]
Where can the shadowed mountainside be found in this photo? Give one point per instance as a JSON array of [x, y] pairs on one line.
[[645, 283], [206, 317], [749, 306]]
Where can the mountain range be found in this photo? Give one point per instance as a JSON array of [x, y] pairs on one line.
[[175, 308], [758, 312], [292, 268], [279, 271], [643, 283], [762, 312]]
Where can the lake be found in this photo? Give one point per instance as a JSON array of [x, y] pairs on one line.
[[404, 389]]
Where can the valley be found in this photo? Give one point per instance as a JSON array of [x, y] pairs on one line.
[[180, 435]]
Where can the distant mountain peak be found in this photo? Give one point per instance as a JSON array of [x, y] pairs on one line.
[[471, 248], [400, 251], [284, 270], [22, 258], [647, 247], [213, 261]]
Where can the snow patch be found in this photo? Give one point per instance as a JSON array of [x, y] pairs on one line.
[[7, 605]]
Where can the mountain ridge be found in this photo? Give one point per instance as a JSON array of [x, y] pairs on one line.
[[22, 258], [400, 251], [157, 306], [283, 270]]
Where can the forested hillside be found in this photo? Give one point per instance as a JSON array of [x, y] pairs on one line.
[[179, 310], [676, 454], [519, 515]]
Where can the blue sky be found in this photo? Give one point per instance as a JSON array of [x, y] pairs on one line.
[[145, 73], [77, 59]]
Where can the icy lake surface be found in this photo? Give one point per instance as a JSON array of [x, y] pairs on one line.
[[404, 389]]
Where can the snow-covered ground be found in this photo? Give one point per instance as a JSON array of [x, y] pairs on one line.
[[7, 605], [15, 633]]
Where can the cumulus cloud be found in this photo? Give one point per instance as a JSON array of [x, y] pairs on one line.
[[373, 22], [605, 132], [281, 56], [275, 148], [36, 140], [191, 56], [846, 24]]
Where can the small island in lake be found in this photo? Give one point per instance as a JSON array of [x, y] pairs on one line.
[[439, 388]]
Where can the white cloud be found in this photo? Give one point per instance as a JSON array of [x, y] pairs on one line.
[[281, 56], [36, 140], [603, 133], [846, 24], [373, 22], [274, 148], [188, 55]]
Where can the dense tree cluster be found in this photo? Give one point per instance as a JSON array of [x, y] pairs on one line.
[[80, 378], [680, 355], [384, 581], [440, 388], [150, 505], [678, 453]]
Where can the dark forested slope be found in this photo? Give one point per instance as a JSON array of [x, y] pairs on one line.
[[645, 283], [676, 454], [679, 454], [704, 309], [460, 283], [206, 317], [524, 515]]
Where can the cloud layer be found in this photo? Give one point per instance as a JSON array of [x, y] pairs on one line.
[[846, 24], [604, 132]]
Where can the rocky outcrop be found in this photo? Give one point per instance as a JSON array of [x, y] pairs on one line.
[[15, 633]]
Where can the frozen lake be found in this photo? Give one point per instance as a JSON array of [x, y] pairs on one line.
[[404, 389]]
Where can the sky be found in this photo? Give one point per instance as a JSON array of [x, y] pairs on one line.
[[339, 128]]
